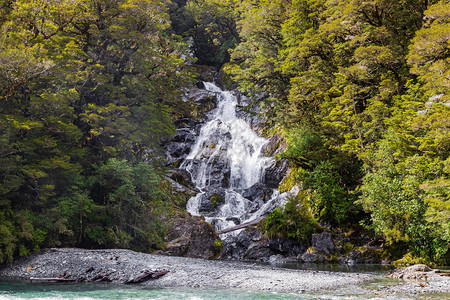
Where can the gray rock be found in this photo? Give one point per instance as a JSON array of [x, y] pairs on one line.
[[275, 173], [191, 237], [354, 257], [258, 191], [251, 245], [322, 242], [308, 257], [414, 272]]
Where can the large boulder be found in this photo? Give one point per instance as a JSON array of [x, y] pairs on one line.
[[258, 191], [210, 201], [311, 257], [191, 237], [323, 243], [250, 244], [414, 272]]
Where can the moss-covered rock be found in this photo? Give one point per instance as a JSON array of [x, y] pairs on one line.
[[215, 199]]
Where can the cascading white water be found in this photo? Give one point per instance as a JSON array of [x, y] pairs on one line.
[[243, 146], [226, 156]]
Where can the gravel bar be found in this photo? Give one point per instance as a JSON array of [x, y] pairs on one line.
[[120, 265]]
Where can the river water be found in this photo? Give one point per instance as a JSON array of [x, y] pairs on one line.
[[23, 290]]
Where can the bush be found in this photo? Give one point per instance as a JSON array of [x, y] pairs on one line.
[[294, 221]]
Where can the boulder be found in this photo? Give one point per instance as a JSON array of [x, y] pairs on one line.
[[250, 244], [414, 272], [211, 201], [236, 248], [354, 257], [258, 191], [323, 243], [181, 176], [276, 172], [287, 247], [191, 237], [308, 257]]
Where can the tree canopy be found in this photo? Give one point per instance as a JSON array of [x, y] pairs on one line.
[[361, 89], [87, 90]]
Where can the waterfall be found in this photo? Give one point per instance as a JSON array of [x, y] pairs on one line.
[[227, 165]]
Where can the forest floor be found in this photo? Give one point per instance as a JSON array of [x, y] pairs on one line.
[[119, 266]]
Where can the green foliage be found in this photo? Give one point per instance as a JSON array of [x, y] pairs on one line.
[[119, 206], [83, 86], [215, 199], [294, 221], [428, 53], [361, 89], [88, 89], [324, 175], [211, 26], [331, 202], [406, 190], [217, 247]]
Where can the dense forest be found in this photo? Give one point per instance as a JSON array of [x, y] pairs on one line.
[[360, 91]]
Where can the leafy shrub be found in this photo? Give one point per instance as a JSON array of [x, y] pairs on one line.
[[294, 221]]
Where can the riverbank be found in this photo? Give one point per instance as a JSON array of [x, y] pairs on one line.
[[118, 266]]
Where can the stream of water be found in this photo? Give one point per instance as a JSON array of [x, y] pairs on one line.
[[226, 161], [10, 290]]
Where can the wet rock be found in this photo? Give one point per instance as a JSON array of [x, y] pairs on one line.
[[237, 248], [179, 146], [354, 257], [308, 257], [276, 172], [191, 237], [206, 100], [210, 201], [235, 220], [289, 248], [218, 172], [181, 176], [277, 259], [251, 245], [257, 191], [200, 84], [322, 242], [184, 135]]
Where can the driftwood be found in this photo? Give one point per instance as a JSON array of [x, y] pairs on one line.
[[146, 275], [240, 226], [51, 280], [102, 277]]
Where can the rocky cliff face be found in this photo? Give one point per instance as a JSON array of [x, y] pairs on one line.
[[230, 194]]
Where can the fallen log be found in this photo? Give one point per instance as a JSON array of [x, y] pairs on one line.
[[102, 277], [146, 275], [240, 226], [51, 280]]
